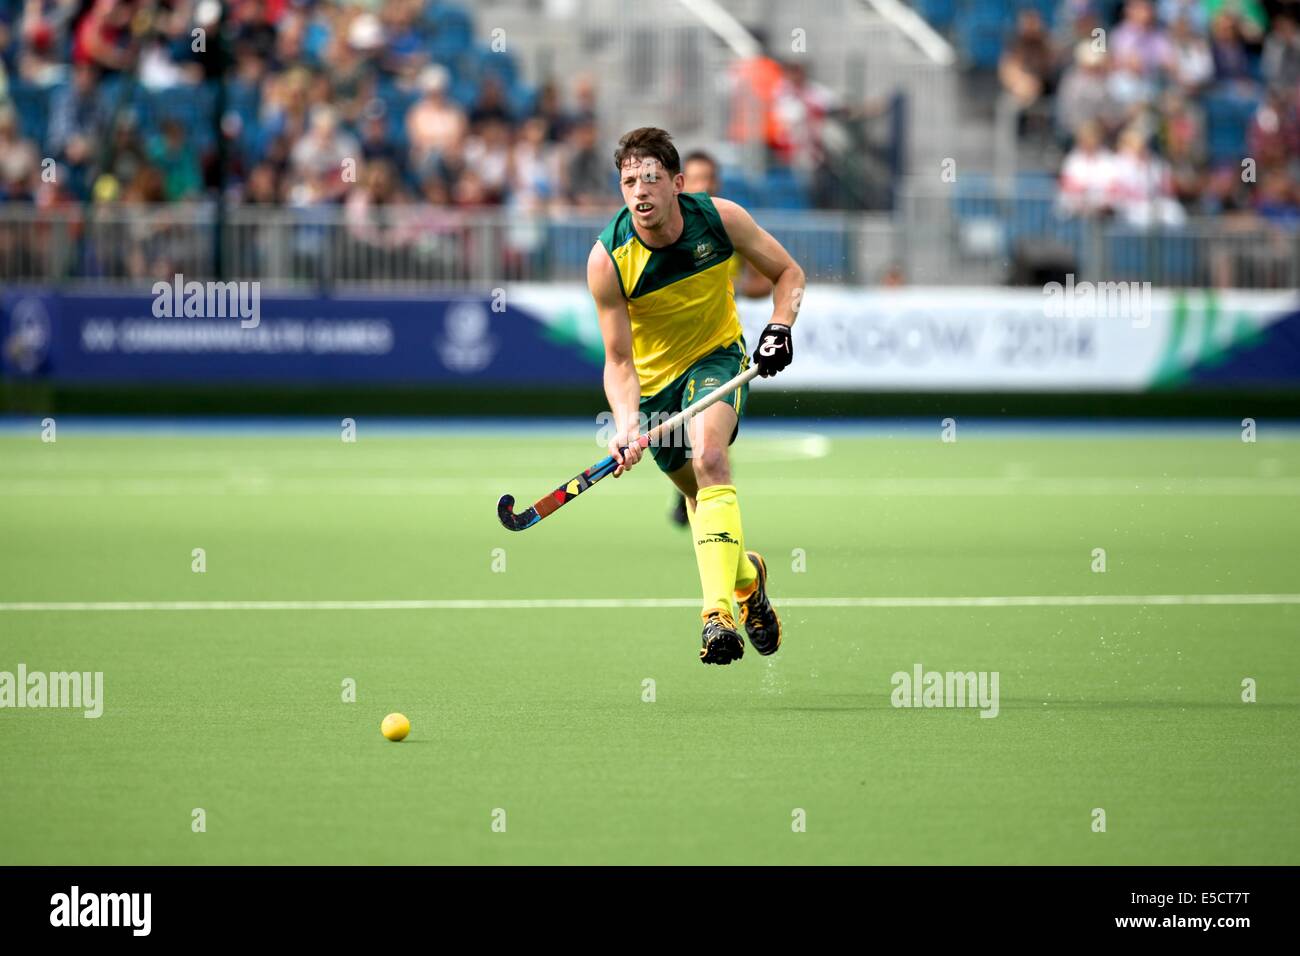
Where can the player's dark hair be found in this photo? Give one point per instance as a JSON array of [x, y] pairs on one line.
[[648, 141]]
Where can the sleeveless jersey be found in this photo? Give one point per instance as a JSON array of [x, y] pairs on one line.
[[680, 298]]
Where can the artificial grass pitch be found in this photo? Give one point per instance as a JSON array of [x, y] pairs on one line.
[[588, 734]]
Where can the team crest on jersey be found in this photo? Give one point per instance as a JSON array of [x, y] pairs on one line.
[[703, 250]]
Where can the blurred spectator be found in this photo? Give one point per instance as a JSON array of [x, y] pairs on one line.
[[433, 124], [1131, 85], [1251, 20], [173, 153], [1182, 142], [1084, 95], [1027, 69], [532, 173], [488, 154], [1191, 11], [1139, 42], [159, 32], [405, 52], [351, 73], [103, 36], [584, 98], [550, 111], [470, 192], [19, 161], [253, 30], [290, 37], [126, 155], [76, 121], [534, 167], [1075, 22], [146, 186], [1273, 136], [588, 173], [754, 118], [319, 156], [1143, 189], [491, 106], [1280, 62], [262, 187], [1231, 62], [376, 143], [801, 108], [1277, 200], [1088, 176], [1224, 193], [368, 213], [43, 30], [1191, 66]]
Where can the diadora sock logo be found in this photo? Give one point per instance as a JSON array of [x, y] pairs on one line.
[[102, 909], [718, 537]]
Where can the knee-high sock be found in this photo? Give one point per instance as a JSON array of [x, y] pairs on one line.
[[746, 575], [719, 545]]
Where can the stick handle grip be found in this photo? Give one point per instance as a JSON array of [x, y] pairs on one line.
[[686, 414]]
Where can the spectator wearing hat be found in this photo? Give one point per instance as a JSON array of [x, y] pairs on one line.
[[1084, 95]]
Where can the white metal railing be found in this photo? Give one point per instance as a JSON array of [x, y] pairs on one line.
[[980, 232], [329, 246], [985, 229]]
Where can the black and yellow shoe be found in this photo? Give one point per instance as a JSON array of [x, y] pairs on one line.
[[757, 614], [721, 644]]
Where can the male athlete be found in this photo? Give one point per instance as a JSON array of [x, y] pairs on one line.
[[661, 279], [700, 175]]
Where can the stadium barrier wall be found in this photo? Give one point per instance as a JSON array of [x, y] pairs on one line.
[[470, 353]]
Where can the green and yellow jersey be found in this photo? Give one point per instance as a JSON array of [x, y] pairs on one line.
[[680, 297]]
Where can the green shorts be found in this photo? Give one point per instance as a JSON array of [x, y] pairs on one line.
[[708, 373]]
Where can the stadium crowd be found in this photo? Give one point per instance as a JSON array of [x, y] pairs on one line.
[[401, 88], [357, 103], [1165, 109]]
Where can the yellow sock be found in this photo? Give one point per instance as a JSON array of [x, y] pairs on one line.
[[719, 545], [746, 574]]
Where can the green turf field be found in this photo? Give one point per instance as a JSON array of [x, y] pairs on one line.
[[1135, 709]]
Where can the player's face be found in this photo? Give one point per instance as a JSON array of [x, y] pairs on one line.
[[649, 191], [700, 177]]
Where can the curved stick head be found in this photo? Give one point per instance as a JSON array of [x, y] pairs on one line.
[[515, 522]]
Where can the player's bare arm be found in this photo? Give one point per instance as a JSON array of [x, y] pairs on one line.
[[622, 387], [775, 350]]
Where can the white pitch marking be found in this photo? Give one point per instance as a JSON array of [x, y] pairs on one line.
[[383, 486], [1059, 600]]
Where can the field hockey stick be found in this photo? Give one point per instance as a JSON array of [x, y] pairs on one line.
[[579, 483]]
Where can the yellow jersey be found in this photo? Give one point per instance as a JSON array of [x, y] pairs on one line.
[[680, 297]]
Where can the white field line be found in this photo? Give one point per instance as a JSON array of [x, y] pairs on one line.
[[263, 484], [473, 604]]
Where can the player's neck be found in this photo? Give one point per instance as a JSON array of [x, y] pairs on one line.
[[665, 235]]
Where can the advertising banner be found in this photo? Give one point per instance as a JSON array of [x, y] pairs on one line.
[[1106, 337], [1120, 337]]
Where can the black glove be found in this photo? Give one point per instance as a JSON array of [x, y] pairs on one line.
[[775, 350]]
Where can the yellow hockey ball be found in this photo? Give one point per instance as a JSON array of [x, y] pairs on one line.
[[395, 727]]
